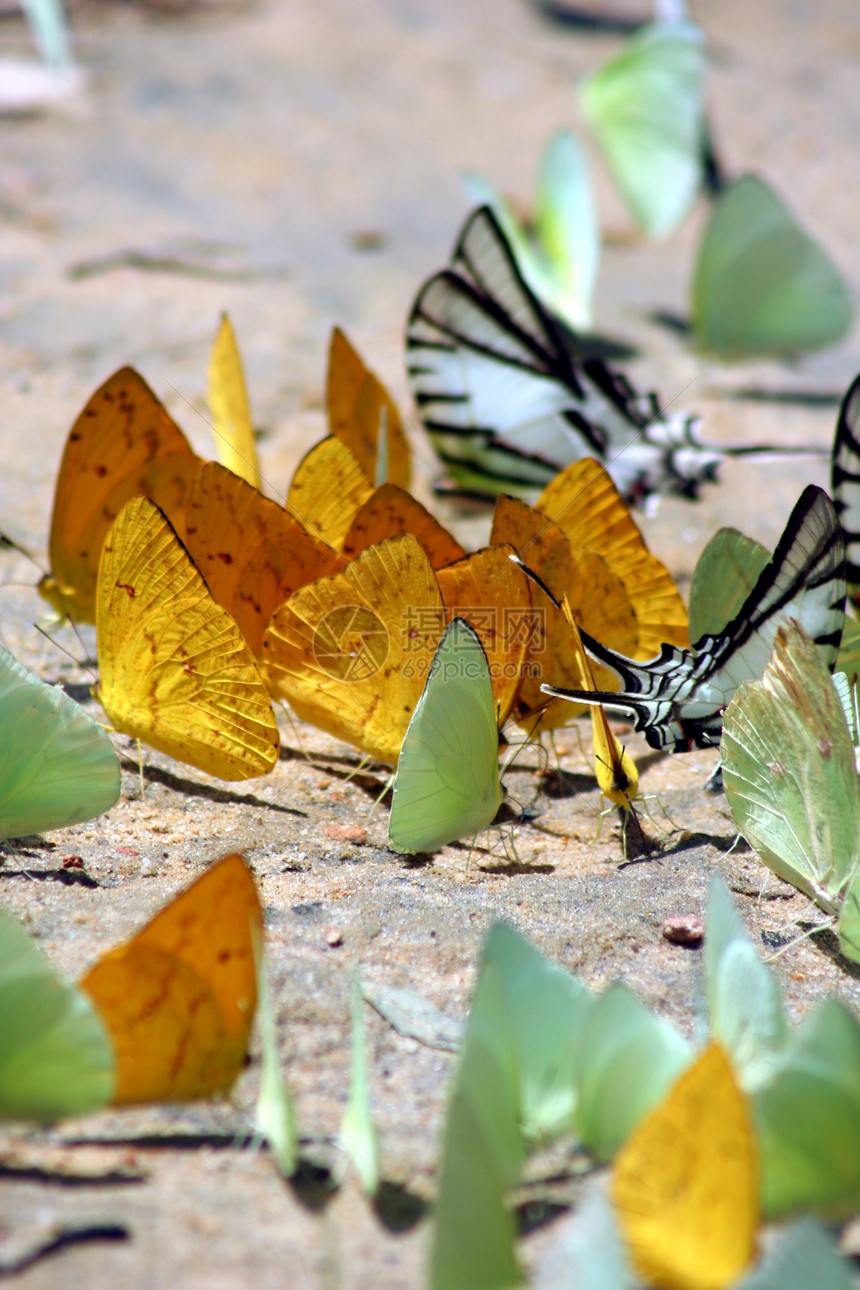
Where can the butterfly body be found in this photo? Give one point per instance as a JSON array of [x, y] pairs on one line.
[[678, 698]]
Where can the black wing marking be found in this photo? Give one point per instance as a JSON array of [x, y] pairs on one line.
[[678, 698], [845, 479]]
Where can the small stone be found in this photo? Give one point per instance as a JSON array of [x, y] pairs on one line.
[[346, 833], [149, 867], [73, 862], [324, 782], [334, 937], [126, 851], [684, 929]]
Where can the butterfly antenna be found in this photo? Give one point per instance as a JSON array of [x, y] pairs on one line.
[[84, 664], [8, 543]]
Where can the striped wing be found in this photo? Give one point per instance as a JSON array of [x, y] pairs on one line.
[[678, 698], [845, 480], [508, 403]]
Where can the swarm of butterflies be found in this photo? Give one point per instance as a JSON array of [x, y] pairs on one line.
[[355, 605]]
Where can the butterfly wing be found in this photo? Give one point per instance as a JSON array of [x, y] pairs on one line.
[[55, 1055], [447, 783], [327, 489], [231, 413], [685, 1184], [252, 553], [789, 773], [505, 399], [178, 999], [57, 765], [350, 654], [725, 574], [123, 444], [389, 511], [646, 107], [174, 669], [678, 698], [761, 284], [363, 415], [845, 479]]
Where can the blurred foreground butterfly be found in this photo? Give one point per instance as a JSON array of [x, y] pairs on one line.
[[57, 765], [678, 698], [447, 783], [685, 1184], [235, 445], [178, 999], [509, 399], [791, 781], [123, 444], [363, 415], [174, 669]]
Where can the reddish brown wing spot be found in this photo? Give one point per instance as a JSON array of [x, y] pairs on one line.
[[225, 557], [100, 471], [127, 588], [825, 747]]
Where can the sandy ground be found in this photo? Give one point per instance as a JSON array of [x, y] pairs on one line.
[[264, 144]]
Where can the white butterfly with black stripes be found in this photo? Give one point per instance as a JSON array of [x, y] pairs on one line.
[[678, 698], [509, 395]]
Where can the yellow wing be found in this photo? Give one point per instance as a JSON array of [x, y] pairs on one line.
[[587, 506], [597, 597], [252, 553], [174, 669], [327, 489], [362, 414], [493, 595], [685, 1184], [389, 511], [178, 999], [123, 444], [351, 654], [235, 446]]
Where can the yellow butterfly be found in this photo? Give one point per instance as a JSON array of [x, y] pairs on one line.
[[123, 444], [178, 999], [351, 653], [362, 414], [174, 669], [685, 1184], [235, 446], [588, 508]]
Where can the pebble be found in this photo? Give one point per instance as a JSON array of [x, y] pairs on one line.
[[346, 833], [684, 929]]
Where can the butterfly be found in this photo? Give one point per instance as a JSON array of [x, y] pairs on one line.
[[791, 780], [252, 552], [509, 398], [123, 444], [178, 999], [646, 108], [678, 698], [685, 1184], [232, 426], [447, 783], [351, 653], [845, 479], [558, 251], [363, 415], [174, 670], [162, 1018], [761, 285], [57, 765]]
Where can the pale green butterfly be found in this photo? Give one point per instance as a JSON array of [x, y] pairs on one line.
[[761, 284], [808, 1120], [646, 108], [791, 780], [745, 1009], [358, 1135], [55, 1055], [57, 765], [804, 1257], [447, 782], [558, 254]]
